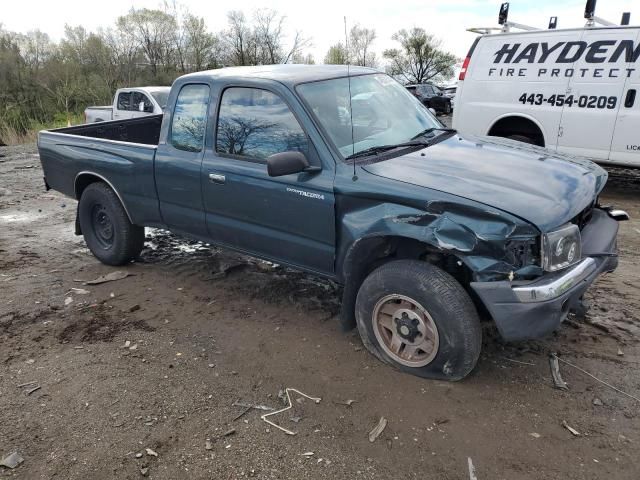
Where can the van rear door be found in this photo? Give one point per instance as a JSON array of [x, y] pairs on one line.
[[594, 95], [625, 146]]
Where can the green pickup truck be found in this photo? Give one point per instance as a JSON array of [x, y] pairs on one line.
[[344, 174]]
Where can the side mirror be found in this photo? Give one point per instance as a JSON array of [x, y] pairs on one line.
[[141, 107], [286, 163], [433, 111]]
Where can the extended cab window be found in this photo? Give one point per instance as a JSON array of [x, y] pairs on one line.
[[190, 118], [256, 123]]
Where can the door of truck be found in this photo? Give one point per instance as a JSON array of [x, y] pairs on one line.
[[595, 92], [288, 219], [625, 146], [178, 162]]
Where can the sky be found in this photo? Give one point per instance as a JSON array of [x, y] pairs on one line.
[[322, 21]]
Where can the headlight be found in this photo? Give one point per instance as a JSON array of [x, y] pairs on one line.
[[561, 248]]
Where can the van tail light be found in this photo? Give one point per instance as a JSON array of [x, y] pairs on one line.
[[465, 66]]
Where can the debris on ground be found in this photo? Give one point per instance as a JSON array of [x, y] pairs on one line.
[[144, 471], [289, 406], [68, 300], [208, 445], [12, 460], [378, 429], [348, 403], [535, 435], [29, 391], [472, 469], [598, 402], [79, 291], [598, 380], [571, 429], [620, 352], [150, 452], [307, 454], [109, 277], [254, 406], [555, 373], [520, 362]]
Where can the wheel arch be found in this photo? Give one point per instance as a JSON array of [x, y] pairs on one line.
[[370, 252], [518, 124], [86, 178]]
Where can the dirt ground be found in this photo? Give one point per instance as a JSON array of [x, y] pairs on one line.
[[157, 360]]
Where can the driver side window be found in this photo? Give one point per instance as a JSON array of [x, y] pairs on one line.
[[256, 123]]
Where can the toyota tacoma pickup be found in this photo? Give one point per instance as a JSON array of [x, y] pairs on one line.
[[346, 175]]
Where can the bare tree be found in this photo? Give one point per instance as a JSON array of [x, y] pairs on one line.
[[360, 46], [201, 45], [153, 31]]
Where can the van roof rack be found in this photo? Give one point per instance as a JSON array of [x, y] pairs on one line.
[[507, 25]]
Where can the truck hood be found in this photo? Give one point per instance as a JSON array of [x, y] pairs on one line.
[[545, 188]]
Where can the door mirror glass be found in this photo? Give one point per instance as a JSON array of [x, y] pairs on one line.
[[141, 107], [286, 163]]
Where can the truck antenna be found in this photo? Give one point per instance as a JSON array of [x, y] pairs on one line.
[[346, 52]]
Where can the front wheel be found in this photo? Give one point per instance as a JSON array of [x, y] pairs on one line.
[[109, 234], [419, 319]]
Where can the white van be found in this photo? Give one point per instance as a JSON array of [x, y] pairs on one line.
[[573, 90]]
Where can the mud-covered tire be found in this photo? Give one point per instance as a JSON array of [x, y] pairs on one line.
[[107, 231], [448, 306]]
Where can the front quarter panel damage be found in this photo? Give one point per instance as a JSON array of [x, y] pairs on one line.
[[492, 244]]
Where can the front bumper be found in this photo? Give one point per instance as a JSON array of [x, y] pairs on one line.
[[533, 309]]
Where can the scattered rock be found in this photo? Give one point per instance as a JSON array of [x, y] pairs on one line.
[[138, 455], [144, 471], [208, 445], [620, 352], [598, 402], [535, 435], [134, 308], [31, 361]]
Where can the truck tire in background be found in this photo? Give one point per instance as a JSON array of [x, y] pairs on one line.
[[109, 234], [419, 319]]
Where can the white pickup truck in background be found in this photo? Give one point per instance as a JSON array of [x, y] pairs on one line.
[[130, 103]]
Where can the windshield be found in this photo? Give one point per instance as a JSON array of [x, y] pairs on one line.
[[383, 112], [161, 96]]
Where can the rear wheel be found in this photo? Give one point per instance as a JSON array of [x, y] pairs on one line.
[[419, 319], [109, 234]]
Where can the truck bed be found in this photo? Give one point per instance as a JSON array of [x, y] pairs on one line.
[[143, 130], [120, 153]]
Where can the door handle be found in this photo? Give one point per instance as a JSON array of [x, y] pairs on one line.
[[217, 178], [630, 99]]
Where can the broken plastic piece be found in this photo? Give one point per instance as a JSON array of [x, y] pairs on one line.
[[555, 373], [378, 429], [12, 460]]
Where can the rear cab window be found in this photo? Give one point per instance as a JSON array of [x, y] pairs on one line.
[[190, 118], [254, 124]]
